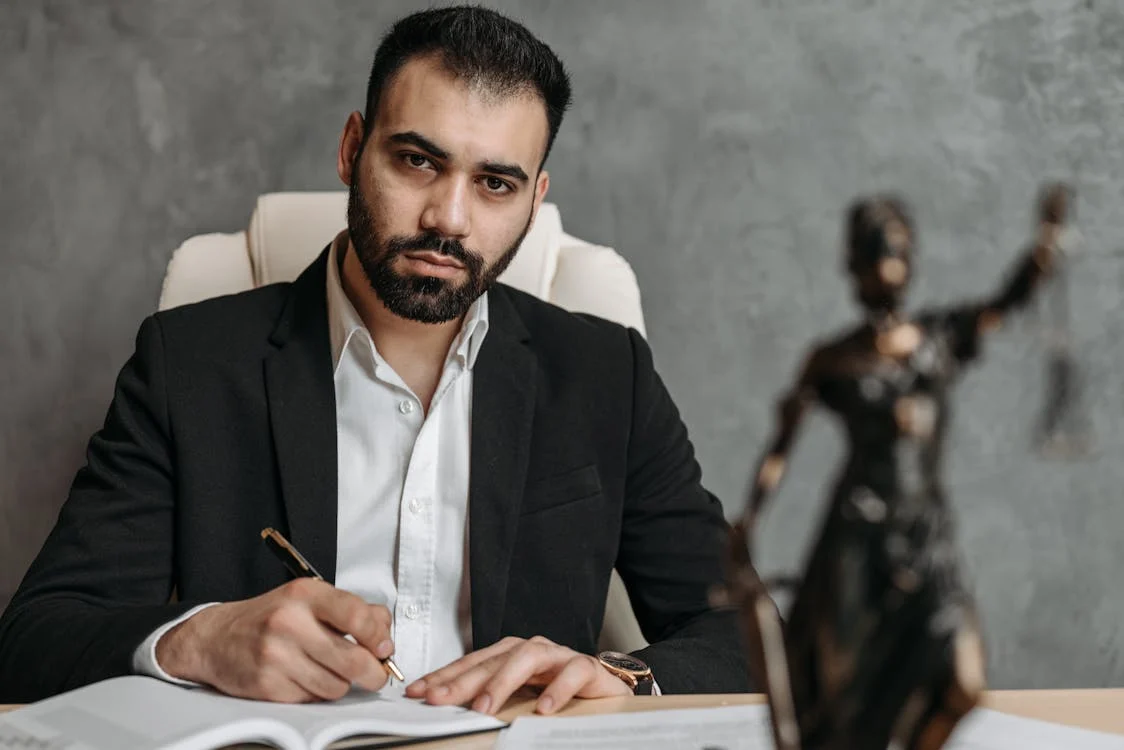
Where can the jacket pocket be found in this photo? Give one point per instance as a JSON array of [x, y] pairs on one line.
[[561, 489]]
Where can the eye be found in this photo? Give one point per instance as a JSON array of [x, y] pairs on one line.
[[497, 186], [417, 161]]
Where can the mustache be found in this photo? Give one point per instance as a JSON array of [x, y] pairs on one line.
[[434, 242]]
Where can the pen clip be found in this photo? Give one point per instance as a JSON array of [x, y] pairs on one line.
[[294, 558]]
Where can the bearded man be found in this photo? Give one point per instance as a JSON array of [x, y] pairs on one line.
[[463, 463]]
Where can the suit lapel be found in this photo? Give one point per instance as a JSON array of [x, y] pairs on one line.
[[503, 404], [302, 411]]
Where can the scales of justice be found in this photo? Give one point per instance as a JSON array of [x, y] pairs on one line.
[[881, 646]]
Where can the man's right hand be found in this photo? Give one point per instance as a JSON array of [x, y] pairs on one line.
[[286, 645]]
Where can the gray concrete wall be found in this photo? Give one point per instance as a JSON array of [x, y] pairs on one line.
[[714, 144]]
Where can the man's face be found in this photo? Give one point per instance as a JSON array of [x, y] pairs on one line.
[[444, 190]]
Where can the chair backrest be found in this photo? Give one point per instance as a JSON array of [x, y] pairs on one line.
[[288, 230]]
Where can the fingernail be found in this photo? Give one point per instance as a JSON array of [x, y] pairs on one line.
[[415, 686], [442, 691], [546, 703], [384, 649], [482, 704]]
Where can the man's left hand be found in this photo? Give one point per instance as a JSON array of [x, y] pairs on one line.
[[488, 677]]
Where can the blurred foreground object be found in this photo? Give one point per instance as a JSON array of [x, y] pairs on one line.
[[1063, 429], [882, 646]]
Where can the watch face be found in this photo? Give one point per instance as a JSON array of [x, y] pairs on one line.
[[623, 661]]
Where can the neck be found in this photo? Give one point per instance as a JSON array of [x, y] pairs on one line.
[[882, 319], [406, 345]]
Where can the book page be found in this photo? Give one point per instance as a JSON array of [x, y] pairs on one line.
[[143, 713], [138, 713], [362, 712]]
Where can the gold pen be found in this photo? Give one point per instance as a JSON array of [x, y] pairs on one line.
[[302, 568]]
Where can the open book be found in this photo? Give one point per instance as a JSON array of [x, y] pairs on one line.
[[142, 713]]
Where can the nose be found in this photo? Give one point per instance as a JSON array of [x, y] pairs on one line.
[[448, 212], [895, 238]]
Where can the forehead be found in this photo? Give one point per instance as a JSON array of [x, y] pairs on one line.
[[469, 120]]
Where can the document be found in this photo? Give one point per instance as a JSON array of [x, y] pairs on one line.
[[984, 729], [726, 728], [747, 728]]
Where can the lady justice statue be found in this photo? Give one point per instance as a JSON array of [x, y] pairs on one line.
[[881, 647]]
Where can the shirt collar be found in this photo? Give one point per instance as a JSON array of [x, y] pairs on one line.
[[344, 321], [473, 331]]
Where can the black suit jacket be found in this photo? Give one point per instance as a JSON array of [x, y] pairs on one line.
[[223, 422]]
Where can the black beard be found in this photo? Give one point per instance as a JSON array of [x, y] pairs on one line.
[[425, 299]]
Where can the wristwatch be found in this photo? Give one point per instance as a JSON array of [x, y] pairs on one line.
[[631, 671]]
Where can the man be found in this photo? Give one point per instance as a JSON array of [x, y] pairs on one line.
[[466, 463]]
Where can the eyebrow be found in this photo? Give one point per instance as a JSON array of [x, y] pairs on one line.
[[416, 139], [507, 170]]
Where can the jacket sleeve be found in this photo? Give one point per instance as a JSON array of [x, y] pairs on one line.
[[671, 550], [102, 581]]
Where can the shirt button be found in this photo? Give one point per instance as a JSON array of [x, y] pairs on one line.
[[416, 504], [413, 611], [406, 407]]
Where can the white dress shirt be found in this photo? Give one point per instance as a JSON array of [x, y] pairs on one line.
[[401, 525], [401, 518]]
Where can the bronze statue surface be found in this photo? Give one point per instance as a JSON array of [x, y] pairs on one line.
[[882, 647]]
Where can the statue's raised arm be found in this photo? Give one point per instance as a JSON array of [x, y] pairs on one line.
[[1061, 429], [1038, 262]]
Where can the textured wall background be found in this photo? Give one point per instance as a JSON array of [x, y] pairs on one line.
[[714, 144]]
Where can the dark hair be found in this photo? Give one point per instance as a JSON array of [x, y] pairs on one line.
[[480, 46]]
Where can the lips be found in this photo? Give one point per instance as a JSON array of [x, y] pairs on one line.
[[435, 259]]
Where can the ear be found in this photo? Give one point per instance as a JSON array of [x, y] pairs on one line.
[[351, 143], [542, 184]]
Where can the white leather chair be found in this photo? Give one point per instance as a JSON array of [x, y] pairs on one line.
[[288, 230]]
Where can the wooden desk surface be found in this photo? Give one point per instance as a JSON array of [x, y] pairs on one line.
[[1102, 710]]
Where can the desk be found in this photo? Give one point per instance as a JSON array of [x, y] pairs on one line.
[[1102, 710]]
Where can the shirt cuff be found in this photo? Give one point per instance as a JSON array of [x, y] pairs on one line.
[[656, 688], [144, 658]]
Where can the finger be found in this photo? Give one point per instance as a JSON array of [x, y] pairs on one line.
[[532, 659], [442, 676], [465, 686], [321, 683], [296, 630], [369, 624], [583, 676], [346, 660], [275, 687]]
